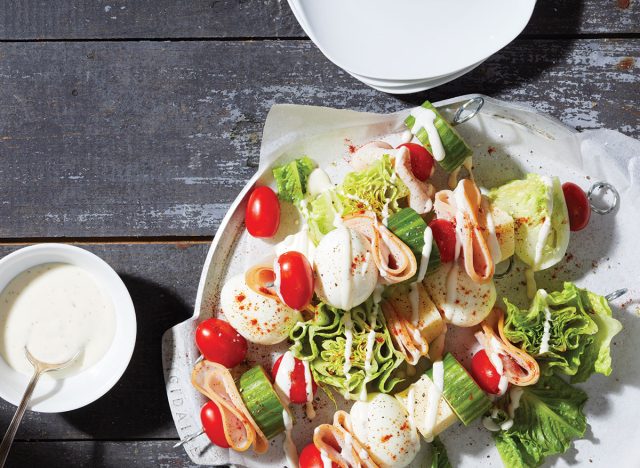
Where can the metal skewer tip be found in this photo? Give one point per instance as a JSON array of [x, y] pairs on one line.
[[616, 294], [468, 110], [189, 439], [599, 190]]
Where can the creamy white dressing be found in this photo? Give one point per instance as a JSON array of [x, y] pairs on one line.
[[308, 381], [348, 335], [531, 283], [55, 310], [546, 328], [318, 182], [545, 229], [347, 277], [290, 450], [433, 402], [494, 245], [283, 376], [346, 451], [427, 236], [385, 211], [406, 137], [514, 403], [425, 118]]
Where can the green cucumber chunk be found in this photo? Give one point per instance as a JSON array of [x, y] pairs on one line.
[[463, 394], [262, 401], [456, 150], [409, 226]]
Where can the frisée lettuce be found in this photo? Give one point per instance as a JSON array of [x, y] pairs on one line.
[[539, 210], [579, 326], [549, 416]]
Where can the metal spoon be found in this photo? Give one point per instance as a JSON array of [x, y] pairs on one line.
[[39, 369]]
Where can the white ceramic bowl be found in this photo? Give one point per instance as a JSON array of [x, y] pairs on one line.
[[78, 390]]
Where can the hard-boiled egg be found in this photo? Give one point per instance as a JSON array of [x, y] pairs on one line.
[[258, 318], [382, 426], [463, 302], [346, 273]]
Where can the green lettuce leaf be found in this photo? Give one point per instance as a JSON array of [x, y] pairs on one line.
[[291, 179], [372, 189], [547, 420], [439, 457], [321, 341], [320, 213], [528, 202], [581, 329]]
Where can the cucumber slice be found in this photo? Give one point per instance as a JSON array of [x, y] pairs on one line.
[[463, 394], [262, 401], [409, 226], [422, 388], [456, 150]]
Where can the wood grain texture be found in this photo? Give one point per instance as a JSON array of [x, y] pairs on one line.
[[162, 280], [98, 454], [169, 19], [157, 138]]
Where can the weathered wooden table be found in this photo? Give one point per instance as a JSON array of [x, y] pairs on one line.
[[128, 127]]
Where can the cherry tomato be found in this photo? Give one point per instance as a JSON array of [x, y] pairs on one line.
[[212, 424], [298, 393], [262, 215], [296, 279], [220, 342], [444, 234], [422, 164], [310, 457], [484, 373], [577, 205]]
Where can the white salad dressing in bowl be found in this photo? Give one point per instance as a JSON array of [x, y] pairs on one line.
[[58, 300]]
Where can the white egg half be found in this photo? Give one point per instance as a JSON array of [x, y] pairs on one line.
[[468, 304], [382, 426], [345, 272], [259, 319]]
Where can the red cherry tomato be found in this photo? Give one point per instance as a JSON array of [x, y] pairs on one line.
[[310, 457], [298, 393], [577, 205], [422, 164], [262, 215], [484, 373], [296, 279], [220, 342], [212, 424], [444, 234]]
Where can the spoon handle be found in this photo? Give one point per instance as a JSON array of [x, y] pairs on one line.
[[5, 446]]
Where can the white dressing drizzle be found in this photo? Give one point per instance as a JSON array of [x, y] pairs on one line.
[[283, 376], [433, 402], [546, 329], [426, 254], [308, 380], [347, 277], [425, 118], [371, 337], [406, 137], [545, 230], [494, 245], [298, 242], [347, 451], [289, 447]]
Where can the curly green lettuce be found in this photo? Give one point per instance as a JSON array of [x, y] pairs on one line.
[[581, 328], [291, 179], [548, 418], [321, 342]]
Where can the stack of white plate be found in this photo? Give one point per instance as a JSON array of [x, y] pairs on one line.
[[405, 46]]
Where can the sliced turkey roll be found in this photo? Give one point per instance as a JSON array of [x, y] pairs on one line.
[[337, 442], [216, 383], [420, 192], [394, 259], [413, 320], [517, 366]]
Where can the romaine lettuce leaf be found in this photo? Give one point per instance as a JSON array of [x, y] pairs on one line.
[[321, 341], [439, 457], [321, 212], [546, 421], [291, 179], [581, 329], [528, 202]]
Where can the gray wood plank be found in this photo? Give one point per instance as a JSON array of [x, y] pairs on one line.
[[98, 454], [162, 280], [157, 138], [109, 19]]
